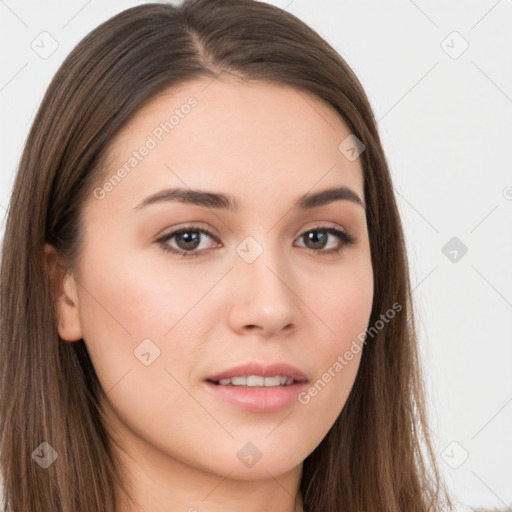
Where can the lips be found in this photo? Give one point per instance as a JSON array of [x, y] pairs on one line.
[[262, 370], [252, 396]]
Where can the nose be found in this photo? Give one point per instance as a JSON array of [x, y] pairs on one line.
[[264, 299]]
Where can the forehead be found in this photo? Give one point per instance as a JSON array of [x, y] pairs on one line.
[[254, 136]]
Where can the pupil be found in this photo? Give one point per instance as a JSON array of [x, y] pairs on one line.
[[191, 242], [319, 241]]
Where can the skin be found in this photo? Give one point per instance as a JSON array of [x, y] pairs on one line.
[[265, 144]]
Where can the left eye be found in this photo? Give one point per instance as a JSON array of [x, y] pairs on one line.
[[318, 238], [189, 241]]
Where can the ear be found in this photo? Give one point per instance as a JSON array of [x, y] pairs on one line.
[[65, 296]]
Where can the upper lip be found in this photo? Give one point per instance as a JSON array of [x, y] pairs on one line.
[[263, 370]]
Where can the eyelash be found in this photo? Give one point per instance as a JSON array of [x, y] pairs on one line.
[[346, 240]]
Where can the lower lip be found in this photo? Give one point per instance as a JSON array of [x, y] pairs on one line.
[[258, 398]]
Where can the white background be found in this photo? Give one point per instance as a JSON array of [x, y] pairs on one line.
[[446, 125]]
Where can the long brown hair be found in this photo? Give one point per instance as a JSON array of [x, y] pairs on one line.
[[378, 455]]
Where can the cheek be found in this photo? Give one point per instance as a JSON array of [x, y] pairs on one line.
[[343, 300], [344, 307], [130, 306], [132, 296], [136, 326]]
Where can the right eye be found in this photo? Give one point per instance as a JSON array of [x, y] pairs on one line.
[[188, 240]]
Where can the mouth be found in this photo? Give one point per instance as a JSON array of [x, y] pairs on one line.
[[258, 388], [255, 381]]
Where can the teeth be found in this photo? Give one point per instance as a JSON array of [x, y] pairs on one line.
[[252, 380], [256, 380]]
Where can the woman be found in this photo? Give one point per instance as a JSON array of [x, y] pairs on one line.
[[205, 298]]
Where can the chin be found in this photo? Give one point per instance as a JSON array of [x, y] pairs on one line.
[[260, 458]]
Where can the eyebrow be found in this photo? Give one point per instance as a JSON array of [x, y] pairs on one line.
[[226, 202]]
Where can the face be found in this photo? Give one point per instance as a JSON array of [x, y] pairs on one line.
[[174, 292]]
